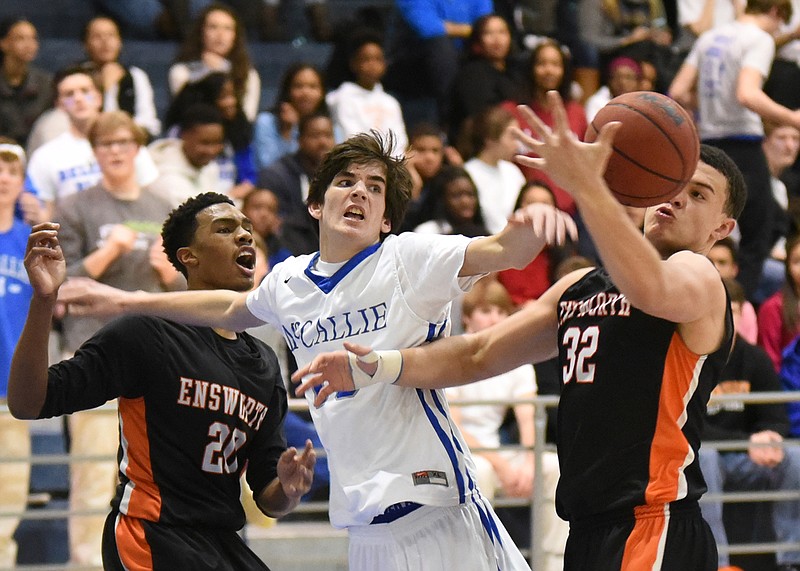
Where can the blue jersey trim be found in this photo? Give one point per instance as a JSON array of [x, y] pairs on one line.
[[327, 283], [433, 334], [446, 442]]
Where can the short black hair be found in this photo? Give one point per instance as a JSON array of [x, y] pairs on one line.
[[181, 224], [88, 25], [305, 120], [737, 189], [88, 69], [363, 37], [200, 114], [6, 24]]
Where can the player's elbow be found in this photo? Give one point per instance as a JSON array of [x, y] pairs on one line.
[[21, 410]]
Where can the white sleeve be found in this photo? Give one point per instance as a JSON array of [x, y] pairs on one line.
[[146, 169], [689, 11], [524, 383], [252, 95], [427, 270], [178, 76], [397, 124], [145, 112], [261, 301], [41, 176], [760, 54]]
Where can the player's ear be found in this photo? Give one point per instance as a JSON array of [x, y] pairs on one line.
[[386, 225], [724, 229], [315, 210], [186, 256]]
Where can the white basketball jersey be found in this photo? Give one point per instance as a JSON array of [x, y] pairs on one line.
[[386, 444]]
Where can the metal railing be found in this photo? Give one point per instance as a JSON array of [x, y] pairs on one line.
[[536, 502]]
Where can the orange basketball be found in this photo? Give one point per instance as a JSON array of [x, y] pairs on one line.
[[655, 150]]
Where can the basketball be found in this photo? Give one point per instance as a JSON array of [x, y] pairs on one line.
[[655, 150]]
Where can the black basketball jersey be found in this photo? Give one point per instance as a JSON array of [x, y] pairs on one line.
[[633, 397], [194, 410]]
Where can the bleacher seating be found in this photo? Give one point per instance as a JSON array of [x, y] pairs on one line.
[[60, 24], [155, 58]]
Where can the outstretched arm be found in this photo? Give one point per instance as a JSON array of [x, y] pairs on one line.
[[528, 336], [210, 308], [528, 231], [27, 380], [295, 475], [684, 288]]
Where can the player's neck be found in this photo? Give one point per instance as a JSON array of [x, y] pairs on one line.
[[225, 333]]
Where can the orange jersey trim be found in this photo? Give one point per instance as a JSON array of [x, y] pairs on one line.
[[141, 498], [670, 454], [132, 547]]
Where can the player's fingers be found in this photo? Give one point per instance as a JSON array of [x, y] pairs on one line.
[[298, 375], [606, 135], [559, 113], [572, 227], [323, 394], [308, 450], [360, 350], [524, 138], [534, 162], [541, 130], [309, 382]]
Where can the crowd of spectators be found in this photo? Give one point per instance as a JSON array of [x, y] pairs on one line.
[[444, 77]]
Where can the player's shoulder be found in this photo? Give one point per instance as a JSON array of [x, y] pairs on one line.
[[696, 263], [132, 331]]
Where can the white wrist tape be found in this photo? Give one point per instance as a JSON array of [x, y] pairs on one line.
[[390, 364]]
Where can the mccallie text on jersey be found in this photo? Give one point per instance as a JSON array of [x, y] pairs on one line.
[[334, 327]]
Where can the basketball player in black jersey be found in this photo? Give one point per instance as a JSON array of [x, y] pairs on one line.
[[196, 405], [641, 344]]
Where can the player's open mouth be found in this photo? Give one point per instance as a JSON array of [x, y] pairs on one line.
[[354, 213], [665, 211], [246, 259]]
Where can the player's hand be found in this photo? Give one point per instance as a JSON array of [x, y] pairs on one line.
[[761, 453], [296, 471], [44, 260], [549, 224], [332, 372], [571, 163], [87, 297]]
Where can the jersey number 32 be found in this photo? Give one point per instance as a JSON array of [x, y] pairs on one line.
[[581, 346]]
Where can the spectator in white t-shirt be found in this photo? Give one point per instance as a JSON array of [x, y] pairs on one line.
[[497, 178], [361, 104], [66, 164]]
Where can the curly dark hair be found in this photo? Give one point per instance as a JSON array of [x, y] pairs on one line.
[[181, 224], [362, 149]]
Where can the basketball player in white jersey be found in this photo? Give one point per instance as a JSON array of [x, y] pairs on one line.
[[402, 479]]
